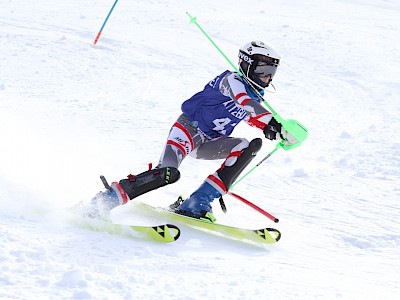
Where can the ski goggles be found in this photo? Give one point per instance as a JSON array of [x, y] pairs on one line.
[[263, 69]]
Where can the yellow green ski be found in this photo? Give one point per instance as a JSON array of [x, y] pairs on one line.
[[260, 236], [164, 233]]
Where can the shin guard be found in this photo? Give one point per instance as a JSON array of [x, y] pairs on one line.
[[228, 174], [150, 180]]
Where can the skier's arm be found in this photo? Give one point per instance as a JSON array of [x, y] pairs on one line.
[[257, 115]]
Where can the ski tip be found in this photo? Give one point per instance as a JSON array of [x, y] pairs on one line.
[[277, 232], [270, 235], [176, 229], [166, 233]]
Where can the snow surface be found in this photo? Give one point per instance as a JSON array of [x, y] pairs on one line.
[[70, 112]]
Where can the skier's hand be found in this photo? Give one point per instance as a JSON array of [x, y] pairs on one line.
[[287, 138], [272, 130]]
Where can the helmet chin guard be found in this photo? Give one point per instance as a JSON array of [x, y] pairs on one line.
[[258, 60]]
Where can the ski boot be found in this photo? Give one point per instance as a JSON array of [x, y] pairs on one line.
[[198, 205], [104, 202], [119, 193]]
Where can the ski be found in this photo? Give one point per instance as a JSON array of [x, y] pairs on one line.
[[259, 236], [93, 219], [164, 233]]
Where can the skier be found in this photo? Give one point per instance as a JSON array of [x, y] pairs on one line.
[[203, 131]]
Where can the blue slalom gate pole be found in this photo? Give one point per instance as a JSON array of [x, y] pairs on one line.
[[104, 24]]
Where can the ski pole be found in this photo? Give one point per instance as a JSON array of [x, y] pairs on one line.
[[104, 24], [252, 205], [193, 20], [294, 128]]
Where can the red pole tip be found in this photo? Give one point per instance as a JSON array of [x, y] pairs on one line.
[[97, 38]]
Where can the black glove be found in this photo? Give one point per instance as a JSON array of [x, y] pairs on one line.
[[272, 130]]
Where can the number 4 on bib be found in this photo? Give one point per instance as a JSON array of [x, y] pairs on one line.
[[220, 125]]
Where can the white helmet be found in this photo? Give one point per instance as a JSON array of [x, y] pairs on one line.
[[258, 60]]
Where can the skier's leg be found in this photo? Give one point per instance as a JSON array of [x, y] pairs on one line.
[[235, 163], [240, 153], [182, 139], [136, 185]]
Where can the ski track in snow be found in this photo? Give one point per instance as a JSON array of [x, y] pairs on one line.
[[70, 111]]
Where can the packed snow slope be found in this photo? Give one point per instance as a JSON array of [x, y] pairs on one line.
[[70, 112]]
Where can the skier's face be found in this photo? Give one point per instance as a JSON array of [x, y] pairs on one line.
[[265, 69], [265, 79]]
